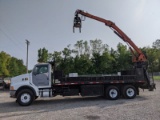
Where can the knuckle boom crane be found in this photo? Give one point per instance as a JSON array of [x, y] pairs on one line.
[[138, 57]]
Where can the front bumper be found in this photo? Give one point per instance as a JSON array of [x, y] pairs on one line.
[[12, 93]]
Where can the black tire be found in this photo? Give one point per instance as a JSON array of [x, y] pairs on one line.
[[129, 92], [112, 93], [25, 97]]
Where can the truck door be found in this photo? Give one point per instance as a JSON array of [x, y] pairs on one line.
[[40, 76]]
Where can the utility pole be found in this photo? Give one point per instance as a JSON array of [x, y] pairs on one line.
[[27, 42]]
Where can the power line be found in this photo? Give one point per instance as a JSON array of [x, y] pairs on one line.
[[10, 39], [8, 30]]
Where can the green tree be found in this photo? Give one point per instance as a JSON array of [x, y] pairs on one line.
[[153, 58], [82, 64], [4, 62], [21, 67], [79, 47], [10, 66], [86, 49], [123, 57], [13, 67], [114, 62], [97, 63], [96, 46], [95, 57], [108, 62], [67, 62], [156, 44], [43, 55], [67, 52], [16, 67]]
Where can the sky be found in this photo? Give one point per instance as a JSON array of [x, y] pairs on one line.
[[48, 23]]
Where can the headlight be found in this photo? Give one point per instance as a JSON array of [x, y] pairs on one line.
[[11, 88]]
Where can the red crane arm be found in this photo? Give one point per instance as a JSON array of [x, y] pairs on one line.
[[139, 57]]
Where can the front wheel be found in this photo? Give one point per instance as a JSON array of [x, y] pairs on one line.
[[25, 97]]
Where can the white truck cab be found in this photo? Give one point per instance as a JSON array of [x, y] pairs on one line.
[[28, 87]]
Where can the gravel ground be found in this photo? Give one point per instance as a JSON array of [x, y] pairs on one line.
[[146, 106]]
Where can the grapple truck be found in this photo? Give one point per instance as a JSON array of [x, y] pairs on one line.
[[45, 81]]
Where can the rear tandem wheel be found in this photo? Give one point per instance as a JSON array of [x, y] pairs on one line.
[[129, 91], [112, 93]]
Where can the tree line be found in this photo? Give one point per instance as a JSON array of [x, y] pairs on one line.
[[10, 66], [95, 57], [84, 57]]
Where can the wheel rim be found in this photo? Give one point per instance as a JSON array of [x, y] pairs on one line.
[[130, 92], [113, 93], [25, 98]]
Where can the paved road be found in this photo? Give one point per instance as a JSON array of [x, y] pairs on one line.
[[146, 106]]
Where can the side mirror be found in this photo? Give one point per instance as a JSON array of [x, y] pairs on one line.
[[34, 73]]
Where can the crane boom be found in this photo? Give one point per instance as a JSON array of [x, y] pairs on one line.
[[139, 57]]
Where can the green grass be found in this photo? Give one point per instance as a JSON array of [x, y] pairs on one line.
[[156, 77]]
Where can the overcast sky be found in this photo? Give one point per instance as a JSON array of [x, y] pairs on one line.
[[48, 23]]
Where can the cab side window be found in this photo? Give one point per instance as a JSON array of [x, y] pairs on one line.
[[43, 69]]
